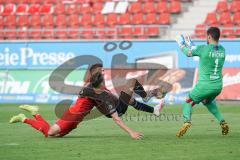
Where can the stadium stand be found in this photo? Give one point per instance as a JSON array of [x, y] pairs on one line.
[[226, 16], [77, 19], [36, 18]]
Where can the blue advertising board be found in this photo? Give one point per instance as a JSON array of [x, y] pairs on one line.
[[30, 55]]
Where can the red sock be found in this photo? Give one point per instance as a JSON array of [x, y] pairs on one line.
[[39, 124]]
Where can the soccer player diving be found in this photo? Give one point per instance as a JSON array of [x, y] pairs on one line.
[[209, 85], [93, 94]]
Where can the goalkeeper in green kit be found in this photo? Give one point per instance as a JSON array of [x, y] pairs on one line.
[[209, 85]]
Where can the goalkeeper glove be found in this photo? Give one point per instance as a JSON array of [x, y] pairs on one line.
[[180, 40], [189, 43]]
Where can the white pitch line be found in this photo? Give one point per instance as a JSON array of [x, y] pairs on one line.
[[10, 144]]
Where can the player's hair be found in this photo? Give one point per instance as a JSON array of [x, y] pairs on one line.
[[214, 32], [96, 79], [95, 66]]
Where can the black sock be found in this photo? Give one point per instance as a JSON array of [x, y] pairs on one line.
[[142, 107], [138, 89]]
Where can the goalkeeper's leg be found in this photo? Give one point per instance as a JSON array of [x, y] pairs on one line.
[[187, 113], [212, 108]]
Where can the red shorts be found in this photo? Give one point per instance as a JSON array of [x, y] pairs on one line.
[[74, 115]]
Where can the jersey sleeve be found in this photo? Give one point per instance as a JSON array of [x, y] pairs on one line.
[[194, 52], [198, 50]]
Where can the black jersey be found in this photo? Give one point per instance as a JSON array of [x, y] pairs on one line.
[[106, 101]]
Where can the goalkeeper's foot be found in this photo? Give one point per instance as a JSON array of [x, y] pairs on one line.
[[158, 108], [18, 118], [32, 109], [183, 129], [225, 128]]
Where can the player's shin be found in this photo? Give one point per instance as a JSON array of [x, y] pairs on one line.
[[38, 125], [142, 107], [187, 112], [212, 108]]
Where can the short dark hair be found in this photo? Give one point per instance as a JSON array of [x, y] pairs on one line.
[[214, 32], [95, 66], [96, 79]]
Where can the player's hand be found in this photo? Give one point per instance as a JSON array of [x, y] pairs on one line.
[[180, 40], [136, 135], [189, 42]]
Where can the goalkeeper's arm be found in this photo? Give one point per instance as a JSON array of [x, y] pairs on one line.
[[186, 44]]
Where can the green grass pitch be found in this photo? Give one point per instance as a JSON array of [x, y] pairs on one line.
[[101, 139]]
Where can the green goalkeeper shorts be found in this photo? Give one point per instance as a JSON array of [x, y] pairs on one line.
[[201, 93]]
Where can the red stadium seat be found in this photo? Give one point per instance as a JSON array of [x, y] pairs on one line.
[[236, 18], [100, 32], [175, 7], [99, 19], [125, 32], [35, 32], [22, 21], [150, 18], [162, 7], [1, 21], [112, 19], [138, 32], [59, 8], [86, 20], [238, 30], [47, 20], [149, 7], [22, 33], [222, 6], [18, 1], [10, 20], [9, 9], [1, 9], [164, 19], [61, 20], [85, 8], [124, 19], [34, 9], [73, 20], [97, 8], [234, 7], [22, 9], [137, 18], [73, 32], [51, 1], [200, 30], [10, 32], [211, 19], [152, 31], [47, 32], [110, 32], [225, 18], [87, 32], [135, 7], [72, 9], [46, 9], [60, 32], [34, 1], [35, 20], [228, 30]]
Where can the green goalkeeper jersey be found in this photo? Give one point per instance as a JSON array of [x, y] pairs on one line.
[[211, 63]]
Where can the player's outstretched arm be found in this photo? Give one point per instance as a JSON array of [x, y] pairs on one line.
[[119, 122], [186, 44]]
